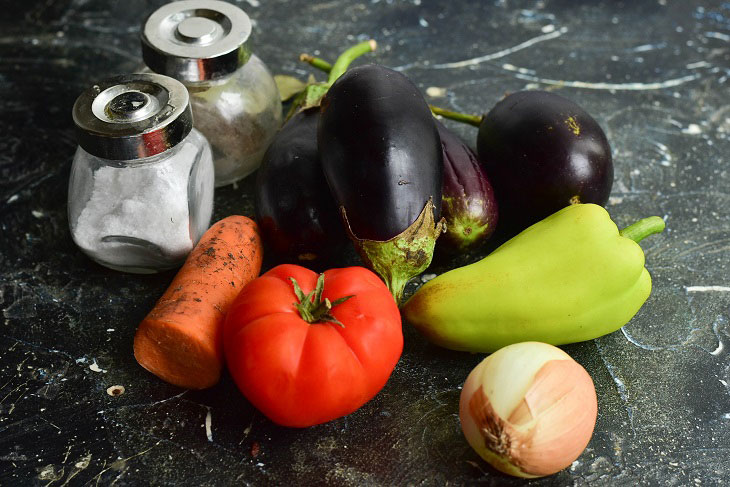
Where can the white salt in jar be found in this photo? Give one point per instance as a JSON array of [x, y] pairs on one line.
[[141, 189], [203, 44]]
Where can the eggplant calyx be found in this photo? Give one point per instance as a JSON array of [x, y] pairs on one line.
[[404, 256], [312, 308], [465, 231]]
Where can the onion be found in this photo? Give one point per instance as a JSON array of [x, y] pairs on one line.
[[528, 409]]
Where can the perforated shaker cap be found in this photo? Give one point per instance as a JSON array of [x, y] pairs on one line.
[[196, 40], [132, 116]]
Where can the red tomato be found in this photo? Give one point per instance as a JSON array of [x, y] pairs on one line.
[[301, 374]]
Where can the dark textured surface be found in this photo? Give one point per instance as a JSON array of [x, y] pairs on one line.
[[653, 74]]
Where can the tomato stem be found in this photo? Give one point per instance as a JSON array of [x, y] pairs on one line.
[[312, 308]]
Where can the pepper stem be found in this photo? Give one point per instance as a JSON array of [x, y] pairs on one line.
[[474, 120], [340, 66], [643, 228], [312, 308]]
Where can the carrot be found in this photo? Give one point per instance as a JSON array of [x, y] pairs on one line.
[[180, 340]]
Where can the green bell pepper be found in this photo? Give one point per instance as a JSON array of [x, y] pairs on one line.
[[568, 278]]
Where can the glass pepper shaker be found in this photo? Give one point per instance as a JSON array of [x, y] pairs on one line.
[[235, 101], [141, 188]]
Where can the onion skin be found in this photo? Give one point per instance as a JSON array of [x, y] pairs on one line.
[[528, 409]]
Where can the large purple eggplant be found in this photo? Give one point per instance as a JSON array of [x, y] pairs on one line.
[[294, 208], [467, 203], [543, 152], [381, 155]]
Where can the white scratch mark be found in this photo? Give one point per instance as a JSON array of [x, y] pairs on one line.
[[122, 462], [726, 416], [546, 29], [657, 85], [718, 35], [55, 426], [78, 468], [95, 368], [692, 129], [716, 330], [208, 425], [705, 289], [512, 67], [422, 22], [620, 387], [503, 52], [68, 450], [254, 3], [647, 47], [634, 341], [38, 214], [664, 153], [13, 198], [615, 200], [699, 64], [723, 382]]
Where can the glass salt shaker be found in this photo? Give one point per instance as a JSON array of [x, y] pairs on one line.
[[235, 101], [141, 189]]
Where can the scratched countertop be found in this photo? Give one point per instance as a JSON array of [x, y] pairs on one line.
[[653, 73]]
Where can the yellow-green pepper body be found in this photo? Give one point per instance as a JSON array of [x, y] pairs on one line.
[[568, 278]]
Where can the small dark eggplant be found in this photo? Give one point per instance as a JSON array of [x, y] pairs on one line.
[[467, 202], [294, 207], [381, 155], [543, 152]]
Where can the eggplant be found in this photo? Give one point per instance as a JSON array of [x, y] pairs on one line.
[[298, 217], [381, 155], [543, 152], [467, 203]]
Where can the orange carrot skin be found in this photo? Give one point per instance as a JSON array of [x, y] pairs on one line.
[[180, 340]]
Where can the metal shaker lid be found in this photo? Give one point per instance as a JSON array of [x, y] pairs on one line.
[[196, 40], [132, 116]]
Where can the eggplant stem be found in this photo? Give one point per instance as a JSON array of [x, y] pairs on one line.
[[474, 120], [643, 228], [316, 62], [314, 92], [344, 60], [323, 65]]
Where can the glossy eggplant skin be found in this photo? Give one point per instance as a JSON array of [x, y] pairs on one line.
[[543, 152], [467, 203], [295, 210], [380, 151]]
